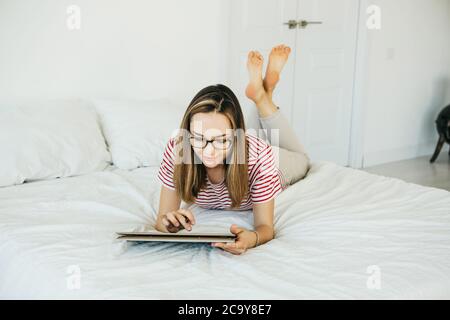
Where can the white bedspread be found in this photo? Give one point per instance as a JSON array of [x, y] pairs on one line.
[[340, 233]]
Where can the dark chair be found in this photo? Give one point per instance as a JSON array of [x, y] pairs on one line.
[[443, 128]]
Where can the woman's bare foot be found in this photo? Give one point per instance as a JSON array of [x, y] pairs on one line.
[[277, 59], [255, 89]]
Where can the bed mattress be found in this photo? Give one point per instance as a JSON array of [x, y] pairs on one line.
[[340, 233]]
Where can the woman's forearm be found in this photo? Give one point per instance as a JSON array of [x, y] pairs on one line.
[[265, 233]]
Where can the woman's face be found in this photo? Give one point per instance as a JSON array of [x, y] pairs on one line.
[[209, 126]]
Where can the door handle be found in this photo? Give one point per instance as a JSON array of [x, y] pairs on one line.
[[292, 24], [303, 23]]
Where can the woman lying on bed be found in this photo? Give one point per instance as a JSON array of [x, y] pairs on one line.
[[216, 164]]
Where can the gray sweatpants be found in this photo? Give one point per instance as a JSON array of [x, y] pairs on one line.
[[290, 155]]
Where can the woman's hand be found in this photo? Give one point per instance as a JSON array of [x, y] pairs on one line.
[[174, 221], [245, 239]]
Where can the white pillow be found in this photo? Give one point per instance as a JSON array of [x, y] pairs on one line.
[[51, 139], [137, 131]]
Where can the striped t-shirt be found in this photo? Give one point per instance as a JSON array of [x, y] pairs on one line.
[[265, 179]]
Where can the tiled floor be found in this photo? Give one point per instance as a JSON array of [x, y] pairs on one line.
[[419, 170]]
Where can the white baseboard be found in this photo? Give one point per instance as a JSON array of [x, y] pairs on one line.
[[398, 154]]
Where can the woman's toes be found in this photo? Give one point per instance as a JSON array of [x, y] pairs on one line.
[[286, 51], [277, 59], [255, 59], [258, 57]]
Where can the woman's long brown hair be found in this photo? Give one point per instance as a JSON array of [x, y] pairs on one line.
[[189, 175]]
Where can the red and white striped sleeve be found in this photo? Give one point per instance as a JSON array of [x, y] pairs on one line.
[[267, 184], [166, 169]]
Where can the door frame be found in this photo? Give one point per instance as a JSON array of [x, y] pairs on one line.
[[359, 94], [357, 123]]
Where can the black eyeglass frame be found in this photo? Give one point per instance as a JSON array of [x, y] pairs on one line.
[[206, 141]]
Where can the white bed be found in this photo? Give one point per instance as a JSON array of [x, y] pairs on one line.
[[340, 233]]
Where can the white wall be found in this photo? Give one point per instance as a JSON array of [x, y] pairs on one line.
[[448, 52], [172, 48], [124, 49], [408, 74]]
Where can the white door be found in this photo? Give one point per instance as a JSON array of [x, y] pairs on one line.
[[258, 25], [324, 72], [316, 87]]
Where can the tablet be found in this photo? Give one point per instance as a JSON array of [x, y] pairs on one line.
[[180, 236]]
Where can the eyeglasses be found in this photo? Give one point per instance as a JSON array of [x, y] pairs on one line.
[[217, 143]]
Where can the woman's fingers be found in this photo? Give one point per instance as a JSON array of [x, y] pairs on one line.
[[233, 251], [165, 221], [176, 220], [171, 217], [239, 245], [188, 214], [225, 246], [181, 218], [232, 247]]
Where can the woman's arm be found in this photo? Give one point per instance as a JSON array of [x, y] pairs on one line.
[[169, 201], [263, 220]]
